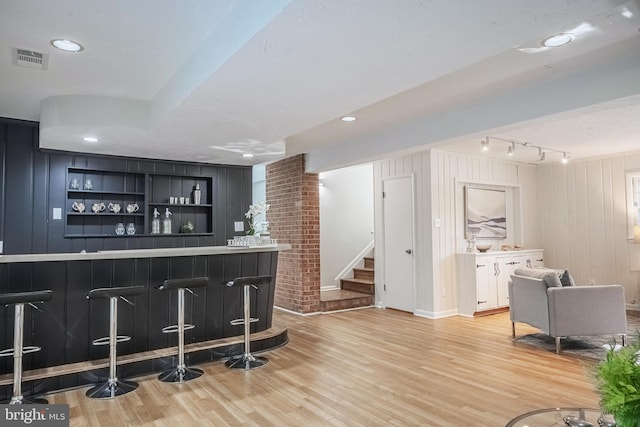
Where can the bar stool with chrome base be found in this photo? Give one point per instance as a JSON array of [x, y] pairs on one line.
[[247, 360], [181, 373], [19, 299], [114, 386]]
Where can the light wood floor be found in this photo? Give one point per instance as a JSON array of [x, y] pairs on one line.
[[368, 367]]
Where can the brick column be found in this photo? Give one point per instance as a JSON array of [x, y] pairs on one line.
[[294, 218]]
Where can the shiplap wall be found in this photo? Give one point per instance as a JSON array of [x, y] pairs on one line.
[[584, 220], [437, 186]]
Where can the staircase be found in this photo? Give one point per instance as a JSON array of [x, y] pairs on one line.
[[353, 293]]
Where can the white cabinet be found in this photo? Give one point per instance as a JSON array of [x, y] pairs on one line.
[[483, 278]]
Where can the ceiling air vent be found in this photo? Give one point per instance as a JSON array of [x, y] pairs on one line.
[[30, 58]]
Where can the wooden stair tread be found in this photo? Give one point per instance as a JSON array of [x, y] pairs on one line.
[[362, 281], [341, 294], [364, 269], [342, 299]]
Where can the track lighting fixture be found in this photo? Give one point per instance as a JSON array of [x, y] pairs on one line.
[[511, 149]]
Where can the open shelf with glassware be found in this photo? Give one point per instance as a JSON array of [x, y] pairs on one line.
[[122, 204], [187, 198], [104, 203]]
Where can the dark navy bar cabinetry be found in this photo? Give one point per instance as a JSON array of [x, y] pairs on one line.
[[70, 322]]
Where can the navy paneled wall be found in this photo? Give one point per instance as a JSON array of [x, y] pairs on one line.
[[33, 182]]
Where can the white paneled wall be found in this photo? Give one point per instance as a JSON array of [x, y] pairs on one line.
[[575, 212], [584, 220], [439, 178]]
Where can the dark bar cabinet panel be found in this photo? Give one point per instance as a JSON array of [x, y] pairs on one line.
[[69, 322]]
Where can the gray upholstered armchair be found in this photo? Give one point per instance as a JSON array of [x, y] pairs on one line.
[[537, 297]]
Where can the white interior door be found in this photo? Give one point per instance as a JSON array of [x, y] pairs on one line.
[[398, 243]]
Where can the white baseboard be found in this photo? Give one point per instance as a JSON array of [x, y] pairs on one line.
[[296, 313], [435, 315]]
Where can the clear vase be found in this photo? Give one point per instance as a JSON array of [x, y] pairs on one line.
[[120, 229]]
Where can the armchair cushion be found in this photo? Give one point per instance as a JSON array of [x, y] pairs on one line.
[[550, 277], [566, 279]]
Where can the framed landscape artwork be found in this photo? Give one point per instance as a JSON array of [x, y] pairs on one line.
[[486, 212]]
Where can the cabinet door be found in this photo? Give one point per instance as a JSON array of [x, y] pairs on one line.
[[504, 267], [485, 284]]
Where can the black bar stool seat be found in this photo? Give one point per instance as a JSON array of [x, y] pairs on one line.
[[181, 373], [18, 300], [114, 386], [247, 360], [26, 297]]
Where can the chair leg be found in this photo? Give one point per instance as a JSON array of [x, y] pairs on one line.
[[247, 360], [18, 329], [113, 387], [513, 330], [180, 373], [624, 339]]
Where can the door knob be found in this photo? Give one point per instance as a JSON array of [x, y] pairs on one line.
[[408, 251]]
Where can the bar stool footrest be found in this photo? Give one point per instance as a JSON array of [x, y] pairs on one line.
[[177, 375], [25, 350], [174, 328], [106, 340], [236, 322], [111, 389]]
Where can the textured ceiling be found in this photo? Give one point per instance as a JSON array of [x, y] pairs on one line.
[[211, 80]]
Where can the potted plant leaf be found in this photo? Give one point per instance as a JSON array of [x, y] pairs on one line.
[[618, 381]]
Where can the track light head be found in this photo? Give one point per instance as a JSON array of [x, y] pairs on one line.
[[485, 144], [511, 148]]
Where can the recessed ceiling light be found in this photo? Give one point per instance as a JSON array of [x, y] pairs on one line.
[[558, 40], [348, 118], [67, 45], [247, 155], [90, 139]]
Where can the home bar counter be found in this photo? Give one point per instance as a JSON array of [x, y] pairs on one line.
[[70, 322]]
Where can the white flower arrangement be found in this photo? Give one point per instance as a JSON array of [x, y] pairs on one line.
[[256, 225]]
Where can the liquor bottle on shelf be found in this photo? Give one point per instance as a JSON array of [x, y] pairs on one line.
[[166, 223], [155, 222]]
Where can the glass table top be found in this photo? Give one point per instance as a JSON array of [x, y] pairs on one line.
[[555, 417]]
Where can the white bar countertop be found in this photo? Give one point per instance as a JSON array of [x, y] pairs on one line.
[[139, 253], [499, 252]]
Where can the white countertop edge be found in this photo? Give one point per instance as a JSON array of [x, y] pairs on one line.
[[519, 251], [138, 253]]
